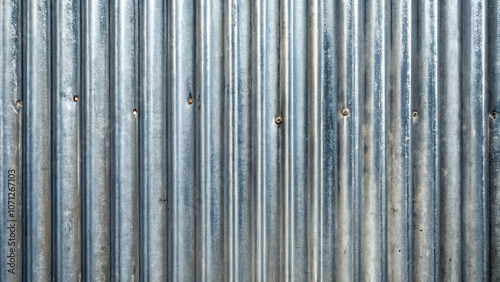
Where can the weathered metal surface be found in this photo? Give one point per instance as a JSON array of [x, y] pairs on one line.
[[250, 140]]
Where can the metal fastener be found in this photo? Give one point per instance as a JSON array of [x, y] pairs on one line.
[[278, 120], [345, 112]]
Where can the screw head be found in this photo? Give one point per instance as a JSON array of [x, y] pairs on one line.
[[19, 104], [494, 114], [190, 100], [278, 120], [134, 112], [345, 112], [76, 98], [415, 113]]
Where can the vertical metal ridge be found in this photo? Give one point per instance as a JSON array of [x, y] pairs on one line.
[[399, 113], [172, 258], [209, 103], [287, 174], [383, 45], [436, 195], [264, 93], [493, 78], [53, 67], [37, 139], [204, 168], [314, 142], [182, 118], [450, 126], [413, 94], [474, 87], [10, 141], [348, 256], [83, 143], [355, 100], [53, 196], [231, 205], [153, 132], [426, 146], [112, 113], [259, 85], [215, 102], [66, 138], [265, 161], [238, 218], [273, 148], [297, 131], [328, 88], [125, 140], [238, 46], [374, 136], [96, 149], [171, 146]]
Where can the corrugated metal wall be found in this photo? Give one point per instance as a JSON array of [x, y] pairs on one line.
[[250, 140]]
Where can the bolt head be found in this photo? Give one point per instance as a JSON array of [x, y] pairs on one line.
[[278, 120]]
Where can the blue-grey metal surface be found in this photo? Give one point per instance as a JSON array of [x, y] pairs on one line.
[[249, 140]]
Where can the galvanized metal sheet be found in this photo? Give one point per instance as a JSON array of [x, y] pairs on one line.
[[250, 140]]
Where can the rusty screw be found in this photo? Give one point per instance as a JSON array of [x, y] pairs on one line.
[[345, 112], [19, 104], [278, 120], [76, 98], [190, 100]]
